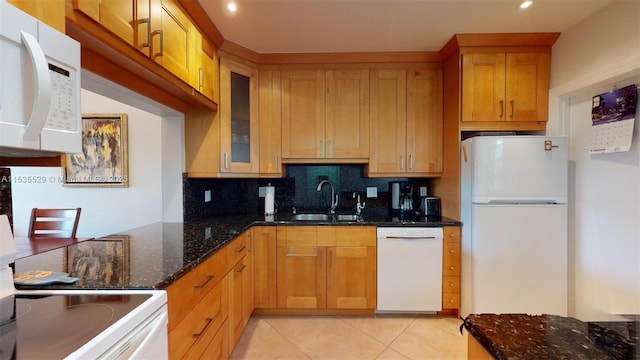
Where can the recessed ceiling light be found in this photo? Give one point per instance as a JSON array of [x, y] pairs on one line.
[[232, 6], [526, 4]]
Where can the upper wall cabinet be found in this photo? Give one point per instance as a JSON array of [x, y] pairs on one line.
[[270, 103], [502, 88], [238, 118], [406, 123], [325, 115], [164, 33], [51, 12]]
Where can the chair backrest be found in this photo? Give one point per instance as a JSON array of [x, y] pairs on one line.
[[54, 222]]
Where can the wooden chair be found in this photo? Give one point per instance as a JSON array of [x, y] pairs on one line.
[[60, 223]]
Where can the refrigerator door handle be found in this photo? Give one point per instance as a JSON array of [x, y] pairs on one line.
[[523, 202]]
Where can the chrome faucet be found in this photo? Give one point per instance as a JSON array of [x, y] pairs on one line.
[[334, 196], [359, 206]]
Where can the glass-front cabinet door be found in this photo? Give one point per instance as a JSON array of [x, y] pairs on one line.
[[238, 118]]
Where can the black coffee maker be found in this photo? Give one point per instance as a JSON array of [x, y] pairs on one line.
[[400, 199]]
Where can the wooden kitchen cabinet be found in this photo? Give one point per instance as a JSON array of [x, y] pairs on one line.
[[451, 269], [270, 113], [240, 277], [206, 71], [171, 38], [326, 267], [325, 115], [301, 274], [226, 143], [406, 123], [128, 19], [239, 126], [198, 307], [265, 265], [51, 12], [302, 114], [504, 87]]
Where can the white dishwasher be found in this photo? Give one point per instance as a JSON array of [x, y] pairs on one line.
[[409, 269]]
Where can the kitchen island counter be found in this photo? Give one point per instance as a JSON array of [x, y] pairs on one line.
[[155, 255], [521, 336]]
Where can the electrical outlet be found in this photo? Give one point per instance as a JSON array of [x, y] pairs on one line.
[[262, 191], [423, 191], [207, 195], [207, 233], [372, 192]]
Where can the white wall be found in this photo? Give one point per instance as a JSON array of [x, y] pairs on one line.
[[604, 223], [155, 148]]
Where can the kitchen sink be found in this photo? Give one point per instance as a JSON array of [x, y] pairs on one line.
[[311, 217], [326, 217]]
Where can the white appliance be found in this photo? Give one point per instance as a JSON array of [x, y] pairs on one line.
[[78, 324], [40, 87], [514, 234], [409, 269]]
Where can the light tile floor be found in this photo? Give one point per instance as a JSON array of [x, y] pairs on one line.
[[341, 337]]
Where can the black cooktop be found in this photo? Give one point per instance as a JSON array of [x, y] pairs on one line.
[[54, 326]]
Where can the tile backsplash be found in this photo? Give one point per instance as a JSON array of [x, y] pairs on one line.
[[298, 189]]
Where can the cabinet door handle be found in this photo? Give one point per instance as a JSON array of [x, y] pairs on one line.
[[207, 322], [330, 148], [241, 269], [206, 281], [148, 22], [501, 109], [452, 251], [411, 162], [321, 149], [513, 108], [401, 162], [277, 167], [161, 52], [330, 260], [226, 161], [200, 79]]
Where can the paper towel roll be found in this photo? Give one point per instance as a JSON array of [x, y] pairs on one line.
[[395, 196], [269, 200]]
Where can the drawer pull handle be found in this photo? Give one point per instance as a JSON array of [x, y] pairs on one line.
[[240, 250], [241, 269], [451, 284], [451, 301], [451, 268], [452, 251], [208, 322], [206, 281]]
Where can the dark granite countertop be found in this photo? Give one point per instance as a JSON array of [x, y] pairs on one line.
[[155, 255], [521, 336]]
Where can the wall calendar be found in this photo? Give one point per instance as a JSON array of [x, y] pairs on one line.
[[612, 117]]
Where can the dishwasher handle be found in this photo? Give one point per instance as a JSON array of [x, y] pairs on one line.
[[405, 237]]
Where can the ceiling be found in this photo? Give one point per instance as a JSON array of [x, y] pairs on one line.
[[311, 26]]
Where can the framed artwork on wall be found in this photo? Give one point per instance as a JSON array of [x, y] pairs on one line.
[[104, 159]]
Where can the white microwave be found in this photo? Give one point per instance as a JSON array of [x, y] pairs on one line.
[[39, 87]]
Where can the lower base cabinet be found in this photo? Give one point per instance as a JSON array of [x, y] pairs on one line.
[[326, 267], [210, 306]]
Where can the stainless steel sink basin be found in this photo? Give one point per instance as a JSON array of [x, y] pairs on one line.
[[348, 217], [310, 217], [326, 217]]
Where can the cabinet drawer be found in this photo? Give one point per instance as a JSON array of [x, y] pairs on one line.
[[451, 252], [216, 349], [237, 249], [451, 284], [200, 325], [451, 301], [450, 268], [451, 234], [186, 292]]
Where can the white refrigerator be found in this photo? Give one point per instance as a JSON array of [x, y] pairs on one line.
[[514, 233]]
